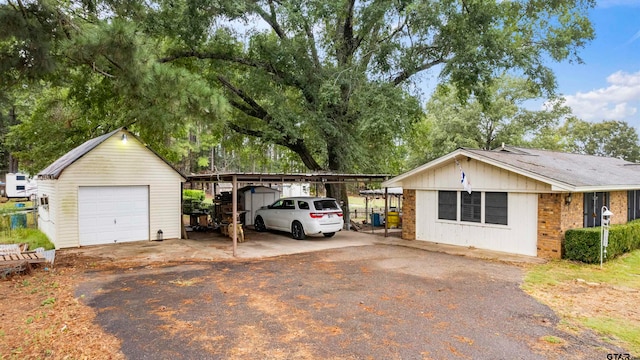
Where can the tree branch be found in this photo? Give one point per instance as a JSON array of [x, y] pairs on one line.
[[410, 72]]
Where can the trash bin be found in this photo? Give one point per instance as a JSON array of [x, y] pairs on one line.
[[18, 221], [375, 219], [394, 219]]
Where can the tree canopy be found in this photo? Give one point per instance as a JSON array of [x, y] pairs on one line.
[[335, 82]]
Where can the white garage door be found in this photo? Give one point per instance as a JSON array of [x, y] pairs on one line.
[[108, 214]]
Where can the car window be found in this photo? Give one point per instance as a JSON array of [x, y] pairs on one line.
[[303, 205], [276, 205], [326, 204], [288, 204]]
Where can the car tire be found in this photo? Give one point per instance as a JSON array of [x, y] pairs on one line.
[[297, 231], [328, 235], [259, 224]]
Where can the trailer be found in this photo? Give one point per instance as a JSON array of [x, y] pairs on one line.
[[19, 185]]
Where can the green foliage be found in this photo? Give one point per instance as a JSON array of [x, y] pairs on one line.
[[607, 138], [192, 195], [499, 116], [584, 244], [35, 238]]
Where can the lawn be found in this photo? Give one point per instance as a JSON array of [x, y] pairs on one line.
[[603, 299]]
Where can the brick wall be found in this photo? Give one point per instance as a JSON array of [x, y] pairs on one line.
[[409, 214], [550, 232], [618, 206]]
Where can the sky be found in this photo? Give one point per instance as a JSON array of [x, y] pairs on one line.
[[607, 85]]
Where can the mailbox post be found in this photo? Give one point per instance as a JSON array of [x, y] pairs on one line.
[[605, 221]]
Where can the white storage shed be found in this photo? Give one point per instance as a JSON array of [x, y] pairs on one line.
[[253, 198], [110, 189]]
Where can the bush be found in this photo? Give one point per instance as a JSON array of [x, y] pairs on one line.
[[192, 195], [584, 244]]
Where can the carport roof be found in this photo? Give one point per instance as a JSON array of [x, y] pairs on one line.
[[297, 177]]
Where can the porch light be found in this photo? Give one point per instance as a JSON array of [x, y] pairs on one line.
[[567, 199]]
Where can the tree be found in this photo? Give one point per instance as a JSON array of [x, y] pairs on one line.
[[608, 138], [324, 77], [503, 118]]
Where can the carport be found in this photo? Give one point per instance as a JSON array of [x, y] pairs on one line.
[[316, 179]]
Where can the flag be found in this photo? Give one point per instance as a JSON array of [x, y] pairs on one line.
[[465, 182]]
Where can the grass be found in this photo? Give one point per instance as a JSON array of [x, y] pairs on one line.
[[623, 272], [35, 238]]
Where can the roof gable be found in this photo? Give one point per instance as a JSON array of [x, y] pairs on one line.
[[563, 171], [56, 168]]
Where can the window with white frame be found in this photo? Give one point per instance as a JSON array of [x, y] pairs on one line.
[[495, 208], [471, 206], [633, 205], [448, 205], [494, 204]]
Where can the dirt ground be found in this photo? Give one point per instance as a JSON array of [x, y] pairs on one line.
[[364, 302]]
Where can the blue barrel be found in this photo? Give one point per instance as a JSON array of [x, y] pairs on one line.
[[18, 221], [375, 219]]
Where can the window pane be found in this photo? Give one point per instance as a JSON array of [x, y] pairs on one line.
[[495, 208], [471, 206], [447, 205]]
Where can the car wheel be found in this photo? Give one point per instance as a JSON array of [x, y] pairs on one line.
[[259, 224], [329, 234], [297, 231]]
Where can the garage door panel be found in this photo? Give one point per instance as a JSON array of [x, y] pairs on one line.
[[111, 214]]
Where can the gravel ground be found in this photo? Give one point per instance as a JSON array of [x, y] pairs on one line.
[[367, 302]]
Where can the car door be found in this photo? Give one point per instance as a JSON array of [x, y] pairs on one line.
[[272, 215], [287, 214]]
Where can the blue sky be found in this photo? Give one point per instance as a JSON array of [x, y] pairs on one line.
[[607, 85]]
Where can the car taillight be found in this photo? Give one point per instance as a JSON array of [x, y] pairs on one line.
[[316, 215], [339, 213]]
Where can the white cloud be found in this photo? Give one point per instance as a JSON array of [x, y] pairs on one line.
[[619, 101]]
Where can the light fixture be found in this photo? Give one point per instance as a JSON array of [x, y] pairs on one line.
[[567, 199], [124, 138]]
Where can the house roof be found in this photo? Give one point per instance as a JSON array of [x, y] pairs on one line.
[[54, 170], [563, 171]]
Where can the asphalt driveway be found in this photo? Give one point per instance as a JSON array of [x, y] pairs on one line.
[[366, 302]]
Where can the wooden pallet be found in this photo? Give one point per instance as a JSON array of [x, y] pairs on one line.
[[26, 257]]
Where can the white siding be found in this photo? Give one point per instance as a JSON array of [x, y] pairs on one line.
[[518, 237], [483, 177], [114, 163], [47, 214]]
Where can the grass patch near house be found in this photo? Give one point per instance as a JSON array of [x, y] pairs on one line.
[[34, 237], [603, 299]]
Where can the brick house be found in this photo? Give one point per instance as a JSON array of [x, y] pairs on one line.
[[521, 200]]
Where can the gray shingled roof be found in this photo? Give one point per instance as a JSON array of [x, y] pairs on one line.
[[564, 171], [576, 170], [54, 170]]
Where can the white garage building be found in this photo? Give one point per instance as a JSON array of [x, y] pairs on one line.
[[110, 189]]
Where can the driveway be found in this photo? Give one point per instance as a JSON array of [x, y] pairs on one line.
[[373, 301]]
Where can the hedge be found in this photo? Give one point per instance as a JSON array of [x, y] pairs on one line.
[[192, 195], [584, 244]]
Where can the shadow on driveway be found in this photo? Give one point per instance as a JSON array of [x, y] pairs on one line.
[[371, 301]]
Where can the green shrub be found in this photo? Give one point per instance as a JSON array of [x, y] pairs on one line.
[[192, 195], [584, 244]]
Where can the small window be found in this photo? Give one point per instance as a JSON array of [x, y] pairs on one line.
[[289, 205], [593, 203], [495, 208], [447, 205], [303, 205], [21, 177], [471, 206], [633, 205], [326, 204], [20, 187]]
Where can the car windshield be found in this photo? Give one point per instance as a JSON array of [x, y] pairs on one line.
[[326, 204]]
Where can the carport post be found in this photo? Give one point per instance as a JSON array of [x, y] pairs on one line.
[[234, 213], [386, 211]]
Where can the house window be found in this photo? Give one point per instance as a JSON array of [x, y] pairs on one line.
[[21, 178], [447, 205], [593, 203], [495, 208], [471, 206], [20, 187], [633, 205]]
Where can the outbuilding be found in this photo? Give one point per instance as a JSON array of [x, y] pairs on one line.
[[110, 189], [513, 199]]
